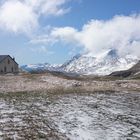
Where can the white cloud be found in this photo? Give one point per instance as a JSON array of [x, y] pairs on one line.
[[121, 33], [17, 17], [48, 7], [44, 39], [67, 34], [42, 49], [23, 16], [39, 49]]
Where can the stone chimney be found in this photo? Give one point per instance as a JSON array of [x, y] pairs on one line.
[[14, 58]]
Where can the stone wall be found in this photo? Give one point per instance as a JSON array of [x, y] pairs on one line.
[[8, 65]]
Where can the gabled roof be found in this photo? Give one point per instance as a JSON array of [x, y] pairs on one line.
[[2, 57]]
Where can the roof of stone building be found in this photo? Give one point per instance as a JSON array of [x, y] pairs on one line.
[[2, 57]]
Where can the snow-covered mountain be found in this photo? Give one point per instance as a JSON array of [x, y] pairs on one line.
[[39, 67], [102, 64]]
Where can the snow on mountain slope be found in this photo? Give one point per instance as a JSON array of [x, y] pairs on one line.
[[102, 64], [39, 67]]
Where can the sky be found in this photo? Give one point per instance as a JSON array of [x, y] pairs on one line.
[[53, 31]]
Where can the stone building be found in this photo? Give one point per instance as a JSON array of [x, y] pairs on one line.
[[8, 64]]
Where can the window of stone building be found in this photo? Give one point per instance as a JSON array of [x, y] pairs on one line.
[[8, 61]]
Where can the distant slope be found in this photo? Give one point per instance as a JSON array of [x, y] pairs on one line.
[[134, 71], [39, 67]]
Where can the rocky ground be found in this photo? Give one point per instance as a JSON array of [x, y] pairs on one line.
[[54, 108], [85, 116]]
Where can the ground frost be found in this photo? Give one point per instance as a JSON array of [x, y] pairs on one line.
[[105, 116]]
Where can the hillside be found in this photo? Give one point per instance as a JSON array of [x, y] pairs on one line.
[[133, 72]]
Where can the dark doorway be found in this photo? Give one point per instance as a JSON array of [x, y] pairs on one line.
[[12, 69], [5, 69]]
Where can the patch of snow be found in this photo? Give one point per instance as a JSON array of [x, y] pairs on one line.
[[79, 118], [0, 135], [93, 116]]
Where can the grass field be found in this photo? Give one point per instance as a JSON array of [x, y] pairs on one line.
[[45, 106]]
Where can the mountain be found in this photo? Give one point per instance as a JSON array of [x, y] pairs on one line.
[[41, 67], [102, 64], [133, 72]]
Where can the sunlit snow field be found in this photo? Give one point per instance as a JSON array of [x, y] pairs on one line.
[[91, 116]]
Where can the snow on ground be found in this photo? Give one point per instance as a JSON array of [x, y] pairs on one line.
[[91, 116], [97, 117]]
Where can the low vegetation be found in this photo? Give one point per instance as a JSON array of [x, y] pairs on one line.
[[47, 106], [59, 116]]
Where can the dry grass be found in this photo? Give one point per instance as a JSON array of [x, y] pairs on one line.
[[54, 84]]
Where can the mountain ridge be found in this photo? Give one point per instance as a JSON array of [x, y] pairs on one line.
[[104, 64]]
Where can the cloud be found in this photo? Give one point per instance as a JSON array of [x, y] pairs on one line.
[[42, 49], [65, 35], [48, 7], [23, 16], [121, 33], [17, 17]]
